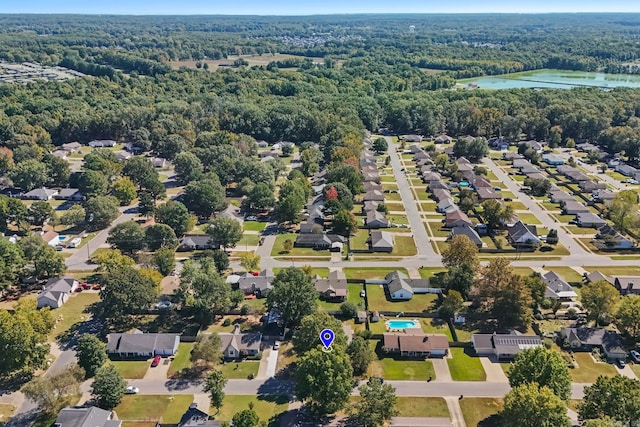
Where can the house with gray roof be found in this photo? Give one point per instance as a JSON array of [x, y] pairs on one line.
[[192, 242], [558, 288], [609, 238], [603, 196], [237, 344], [400, 287], [456, 218], [333, 288], [558, 196], [626, 170], [468, 231], [627, 285], [374, 195], [259, 285], [589, 219], [446, 205], [552, 159], [523, 235], [586, 339], [596, 276], [573, 207], [318, 241], [195, 417], [371, 186], [376, 219], [69, 194], [487, 193], [85, 416], [71, 147], [42, 194], [440, 194], [56, 292], [141, 345], [370, 205], [591, 186], [382, 241], [504, 346]]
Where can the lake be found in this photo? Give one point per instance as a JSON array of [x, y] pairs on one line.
[[558, 79]]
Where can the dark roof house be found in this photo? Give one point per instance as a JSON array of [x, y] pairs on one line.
[[587, 339], [238, 344], [415, 343], [86, 416], [503, 346], [382, 241], [258, 285], [468, 231], [333, 288], [521, 234], [142, 345]]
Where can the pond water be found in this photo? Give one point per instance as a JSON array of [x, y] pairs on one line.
[[559, 79]]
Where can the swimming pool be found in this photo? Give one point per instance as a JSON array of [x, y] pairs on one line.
[[402, 324], [62, 238]]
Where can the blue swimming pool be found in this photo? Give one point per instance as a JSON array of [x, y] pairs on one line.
[[62, 238], [402, 324]]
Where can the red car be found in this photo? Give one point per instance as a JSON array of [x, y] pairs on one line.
[[156, 361], [85, 286], [96, 287]]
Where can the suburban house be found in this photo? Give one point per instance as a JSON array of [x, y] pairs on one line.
[[370, 205], [503, 346], [609, 238], [376, 219], [443, 139], [586, 339], [627, 284], [440, 194], [333, 288], [464, 165], [371, 186], [438, 184], [51, 238], [61, 154], [626, 170], [456, 219], [557, 288], [85, 416], [239, 344], [534, 145], [446, 205], [319, 241], [411, 138], [195, 417], [552, 159], [512, 155], [401, 288], [123, 155], [478, 181], [603, 196], [428, 175], [374, 195], [71, 147], [591, 186], [589, 219], [596, 276], [56, 292], [573, 207], [42, 194], [141, 345], [69, 194], [102, 143], [469, 232], [382, 241], [192, 242], [258, 285], [521, 234], [415, 343], [558, 196], [371, 176], [488, 193]]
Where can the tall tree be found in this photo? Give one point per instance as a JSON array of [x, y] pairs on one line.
[[344, 223], [124, 190], [451, 304], [164, 260], [361, 355], [50, 391], [461, 250], [160, 236], [207, 349], [12, 263], [623, 211], [293, 295], [125, 292], [261, 197], [529, 405], [202, 291], [246, 418], [91, 354], [214, 385], [380, 145], [225, 231], [544, 367], [108, 387], [101, 212], [600, 299], [628, 316], [307, 336], [40, 212], [93, 183], [29, 174], [376, 406], [459, 278], [188, 167], [204, 197], [324, 380], [175, 215], [128, 236], [494, 213], [614, 397], [73, 216]]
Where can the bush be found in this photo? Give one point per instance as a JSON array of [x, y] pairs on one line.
[[227, 322], [244, 310], [366, 334], [256, 357], [499, 243], [349, 310]]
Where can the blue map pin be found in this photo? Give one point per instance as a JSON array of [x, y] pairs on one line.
[[327, 336]]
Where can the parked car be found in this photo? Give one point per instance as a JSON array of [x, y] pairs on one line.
[[621, 363], [156, 361], [59, 248], [632, 181], [635, 356], [96, 287], [276, 345], [79, 289], [362, 293], [251, 218], [85, 286], [131, 390]]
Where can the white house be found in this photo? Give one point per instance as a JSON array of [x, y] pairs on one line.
[[56, 292], [51, 238]]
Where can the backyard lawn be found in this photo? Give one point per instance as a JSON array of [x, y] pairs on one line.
[[476, 409], [369, 273], [529, 218], [181, 360], [378, 301], [73, 311], [464, 367], [153, 407], [360, 240], [131, 369], [240, 370], [409, 370], [589, 370], [265, 406], [422, 407]]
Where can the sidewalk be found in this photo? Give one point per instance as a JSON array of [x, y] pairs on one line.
[[457, 420]]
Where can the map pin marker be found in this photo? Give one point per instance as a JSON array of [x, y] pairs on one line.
[[327, 336]]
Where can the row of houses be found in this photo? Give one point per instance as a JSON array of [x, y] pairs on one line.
[[626, 285]]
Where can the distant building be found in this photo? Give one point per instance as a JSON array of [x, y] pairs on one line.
[[42, 194], [192, 242], [558, 288]]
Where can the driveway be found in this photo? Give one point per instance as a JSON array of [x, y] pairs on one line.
[[441, 368], [494, 371], [457, 419], [268, 364], [159, 372]]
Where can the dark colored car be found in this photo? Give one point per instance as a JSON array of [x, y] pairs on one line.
[[156, 361]]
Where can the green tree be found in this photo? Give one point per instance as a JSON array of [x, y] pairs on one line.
[[529, 405], [188, 167], [539, 186], [361, 355], [348, 310], [101, 212], [628, 316], [537, 288], [310, 159], [377, 404], [623, 211], [207, 349], [12, 263], [128, 236], [47, 262], [473, 149], [287, 245], [324, 380], [600, 299], [307, 336], [495, 213], [614, 397], [108, 387], [202, 291], [125, 292], [461, 250], [164, 260], [261, 197], [160, 236], [204, 197], [124, 190], [91, 354], [73, 216], [246, 418], [40, 212], [451, 304], [140, 170], [293, 295], [221, 260], [50, 391], [225, 231], [348, 175], [214, 385], [29, 174], [175, 215], [459, 278], [93, 184], [112, 259], [287, 150], [344, 223], [380, 145], [250, 261], [147, 204], [544, 367]]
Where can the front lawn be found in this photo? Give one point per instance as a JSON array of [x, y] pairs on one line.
[[589, 370], [631, 270], [406, 370], [131, 369], [254, 226], [567, 273], [369, 273], [476, 409], [377, 300], [181, 360], [465, 367], [422, 407], [248, 240], [266, 406], [404, 246], [279, 250], [146, 407], [239, 370], [529, 218], [73, 311], [429, 272], [286, 356]]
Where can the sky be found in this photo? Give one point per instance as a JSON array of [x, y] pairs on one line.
[[308, 7]]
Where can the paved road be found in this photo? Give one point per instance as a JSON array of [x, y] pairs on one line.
[[425, 250]]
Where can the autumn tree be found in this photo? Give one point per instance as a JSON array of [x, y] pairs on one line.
[[461, 251], [628, 316], [623, 211], [344, 223], [600, 299]]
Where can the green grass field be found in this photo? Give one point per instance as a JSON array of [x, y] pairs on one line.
[[145, 407], [617, 271], [73, 311], [265, 406], [529, 218], [240, 370], [131, 369], [464, 367], [476, 409], [422, 407], [402, 370], [378, 301], [279, 250], [589, 370], [181, 360], [567, 273], [254, 226], [369, 273]]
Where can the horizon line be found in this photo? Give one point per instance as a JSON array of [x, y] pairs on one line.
[[314, 14]]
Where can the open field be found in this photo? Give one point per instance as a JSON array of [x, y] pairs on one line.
[[240, 370], [265, 406], [405, 370], [260, 60], [476, 409], [617, 271], [567, 273], [369, 273], [153, 407]]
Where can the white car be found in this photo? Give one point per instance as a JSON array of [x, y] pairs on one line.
[[276, 345], [131, 390], [362, 293]]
